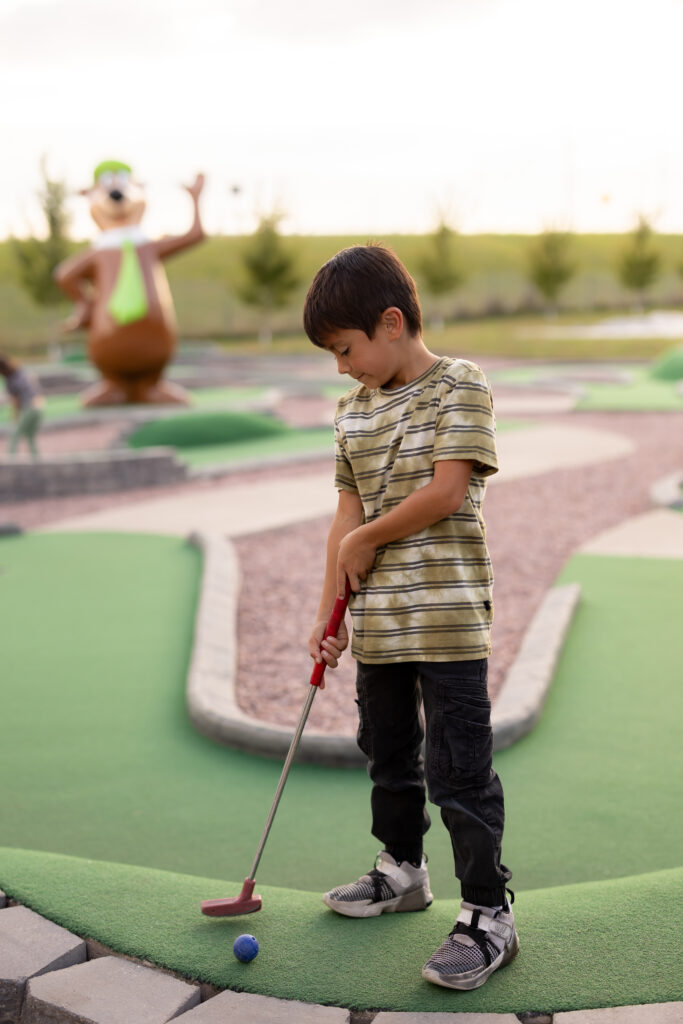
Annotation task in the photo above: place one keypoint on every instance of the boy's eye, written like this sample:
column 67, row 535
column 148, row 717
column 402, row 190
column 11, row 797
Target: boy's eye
column 344, row 353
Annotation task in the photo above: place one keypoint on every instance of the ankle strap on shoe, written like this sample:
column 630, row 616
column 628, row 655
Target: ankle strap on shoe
column 483, row 922
column 395, row 871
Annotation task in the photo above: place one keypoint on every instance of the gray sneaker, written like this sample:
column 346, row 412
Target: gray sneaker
column 481, row 942
column 387, row 889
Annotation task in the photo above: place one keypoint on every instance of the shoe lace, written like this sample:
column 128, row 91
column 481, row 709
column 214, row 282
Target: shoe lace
column 377, row 877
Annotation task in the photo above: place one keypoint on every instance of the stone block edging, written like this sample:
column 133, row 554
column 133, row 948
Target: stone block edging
column 98, row 990
column 668, row 490
column 213, row 708
column 22, row 479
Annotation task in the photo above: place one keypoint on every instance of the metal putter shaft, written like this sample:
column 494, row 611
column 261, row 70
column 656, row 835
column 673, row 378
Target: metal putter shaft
column 246, row 902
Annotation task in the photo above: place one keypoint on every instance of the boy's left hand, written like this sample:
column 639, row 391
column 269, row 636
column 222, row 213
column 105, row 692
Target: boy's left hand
column 355, row 560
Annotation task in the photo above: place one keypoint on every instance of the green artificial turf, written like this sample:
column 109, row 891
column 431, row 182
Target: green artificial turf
column 98, row 761
column 642, row 391
column 59, row 406
column 196, row 430
column 594, row 944
column 309, row 440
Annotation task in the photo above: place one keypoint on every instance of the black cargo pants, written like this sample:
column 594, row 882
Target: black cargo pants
column 459, row 775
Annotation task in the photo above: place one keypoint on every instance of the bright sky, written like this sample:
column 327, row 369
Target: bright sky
column 363, row 117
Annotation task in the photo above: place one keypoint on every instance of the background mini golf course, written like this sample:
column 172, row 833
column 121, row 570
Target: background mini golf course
column 58, row 406
column 229, row 437
column 117, row 818
column 223, row 436
column 642, row 389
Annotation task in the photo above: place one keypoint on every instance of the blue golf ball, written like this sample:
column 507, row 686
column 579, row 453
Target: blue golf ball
column 245, row 948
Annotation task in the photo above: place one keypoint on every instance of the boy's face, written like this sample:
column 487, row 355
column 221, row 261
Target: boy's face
column 370, row 361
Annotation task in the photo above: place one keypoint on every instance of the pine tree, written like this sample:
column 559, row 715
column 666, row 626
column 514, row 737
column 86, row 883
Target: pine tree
column 270, row 272
column 439, row 265
column 550, row 265
column 640, row 262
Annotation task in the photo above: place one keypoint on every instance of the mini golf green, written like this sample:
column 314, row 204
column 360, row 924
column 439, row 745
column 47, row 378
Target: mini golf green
column 230, row 436
column 643, row 393
column 118, row 819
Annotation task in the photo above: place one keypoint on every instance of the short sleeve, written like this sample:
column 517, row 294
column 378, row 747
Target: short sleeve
column 465, row 423
column 344, row 480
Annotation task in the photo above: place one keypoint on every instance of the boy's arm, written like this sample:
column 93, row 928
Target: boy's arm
column 440, row 498
column 348, row 517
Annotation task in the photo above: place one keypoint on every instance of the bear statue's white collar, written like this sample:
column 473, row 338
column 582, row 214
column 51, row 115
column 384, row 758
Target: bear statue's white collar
column 115, row 237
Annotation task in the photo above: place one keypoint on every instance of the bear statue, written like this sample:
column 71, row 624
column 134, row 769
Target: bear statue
column 122, row 294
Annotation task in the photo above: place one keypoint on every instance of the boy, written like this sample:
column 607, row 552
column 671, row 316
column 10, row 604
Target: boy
column 415, row 441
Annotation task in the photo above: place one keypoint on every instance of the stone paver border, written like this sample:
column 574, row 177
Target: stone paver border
column 123, row 989
column 212, row 704
column 94, row 472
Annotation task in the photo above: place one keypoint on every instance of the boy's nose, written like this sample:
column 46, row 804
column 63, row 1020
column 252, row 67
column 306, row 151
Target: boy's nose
column 341, row 365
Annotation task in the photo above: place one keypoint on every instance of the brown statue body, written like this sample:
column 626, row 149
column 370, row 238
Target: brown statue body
column 122, row 296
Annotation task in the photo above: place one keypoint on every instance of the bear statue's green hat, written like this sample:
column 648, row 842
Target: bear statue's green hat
column 112, row 166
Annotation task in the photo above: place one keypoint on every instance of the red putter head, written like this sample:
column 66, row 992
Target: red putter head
column 245, row 903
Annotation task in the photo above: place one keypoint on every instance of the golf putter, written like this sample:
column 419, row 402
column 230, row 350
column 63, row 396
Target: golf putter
column 246, row 902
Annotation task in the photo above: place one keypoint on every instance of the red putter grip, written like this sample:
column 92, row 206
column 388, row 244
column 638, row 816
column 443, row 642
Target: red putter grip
column 331, row 629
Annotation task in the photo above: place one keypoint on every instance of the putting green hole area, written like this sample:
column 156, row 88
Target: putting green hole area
column 118, row 818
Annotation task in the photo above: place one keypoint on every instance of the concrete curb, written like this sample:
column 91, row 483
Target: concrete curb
column 668, row 490
column 523, row 695
column 213, row 708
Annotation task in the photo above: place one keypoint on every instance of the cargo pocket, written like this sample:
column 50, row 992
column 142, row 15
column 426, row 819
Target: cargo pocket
column 462, row 740
column 363, row 735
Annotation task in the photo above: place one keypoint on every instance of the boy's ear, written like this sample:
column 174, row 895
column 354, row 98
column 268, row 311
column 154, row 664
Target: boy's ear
column 391, row 321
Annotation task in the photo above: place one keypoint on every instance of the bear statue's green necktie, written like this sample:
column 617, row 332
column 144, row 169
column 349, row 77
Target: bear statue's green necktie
column 128, row 300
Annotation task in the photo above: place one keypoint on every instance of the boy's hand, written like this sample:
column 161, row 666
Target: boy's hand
column 330, row 649
column 355, row 560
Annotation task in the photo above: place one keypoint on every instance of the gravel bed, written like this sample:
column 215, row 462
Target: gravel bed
column 96, row 437
column 534, row 526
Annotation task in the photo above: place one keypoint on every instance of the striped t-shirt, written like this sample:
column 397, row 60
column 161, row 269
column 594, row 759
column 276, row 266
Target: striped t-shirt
column 428, row 597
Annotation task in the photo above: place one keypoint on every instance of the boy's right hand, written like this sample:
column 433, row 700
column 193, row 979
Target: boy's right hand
column 330, row 649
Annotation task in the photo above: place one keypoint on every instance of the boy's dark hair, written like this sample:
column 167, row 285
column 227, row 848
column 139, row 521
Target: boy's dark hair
column 352, row 290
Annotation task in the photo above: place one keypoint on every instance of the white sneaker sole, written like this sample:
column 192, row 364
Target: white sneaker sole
column 468, row 980
column 417, row 899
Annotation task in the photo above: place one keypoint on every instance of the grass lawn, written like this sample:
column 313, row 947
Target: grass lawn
column 118, row 818
column 507, row 337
